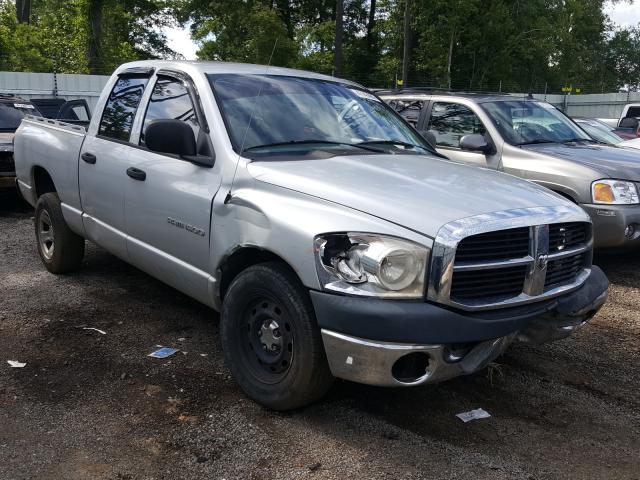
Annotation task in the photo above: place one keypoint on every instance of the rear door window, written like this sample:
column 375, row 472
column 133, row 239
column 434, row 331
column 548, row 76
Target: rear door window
column 450, row 122
column 121, row 108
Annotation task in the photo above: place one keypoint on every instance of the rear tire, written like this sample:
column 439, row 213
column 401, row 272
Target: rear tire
column 59, row 248
column 271, row 341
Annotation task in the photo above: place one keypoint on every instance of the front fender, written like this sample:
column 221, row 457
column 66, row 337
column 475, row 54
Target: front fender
column 285, row 223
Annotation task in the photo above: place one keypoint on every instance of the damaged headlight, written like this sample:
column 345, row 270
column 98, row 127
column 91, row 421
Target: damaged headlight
column 371, row 265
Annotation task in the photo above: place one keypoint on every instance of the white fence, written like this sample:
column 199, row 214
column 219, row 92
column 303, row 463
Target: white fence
column 599, row 105
column 89, row 87
column 49, row 85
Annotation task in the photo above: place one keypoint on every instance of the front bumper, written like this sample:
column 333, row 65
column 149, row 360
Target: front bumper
column 610, row 222
column 395, row 343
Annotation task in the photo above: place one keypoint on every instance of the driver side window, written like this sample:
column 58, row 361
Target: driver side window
column 450, row 122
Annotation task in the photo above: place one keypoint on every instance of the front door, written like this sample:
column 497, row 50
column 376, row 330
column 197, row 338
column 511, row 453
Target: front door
column 448, row 122
column 103, row 164
column 168, row 204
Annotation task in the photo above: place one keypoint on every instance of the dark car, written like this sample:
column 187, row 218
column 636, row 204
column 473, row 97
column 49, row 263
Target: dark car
column 12, row 111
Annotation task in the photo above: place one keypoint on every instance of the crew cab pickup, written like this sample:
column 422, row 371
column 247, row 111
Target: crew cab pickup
column 332, row 238
column 533, row 140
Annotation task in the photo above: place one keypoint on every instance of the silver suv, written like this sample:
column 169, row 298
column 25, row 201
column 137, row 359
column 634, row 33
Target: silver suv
column 533, row 140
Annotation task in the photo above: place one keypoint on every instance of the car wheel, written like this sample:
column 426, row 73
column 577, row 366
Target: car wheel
column 60, row 249
column 270, row 338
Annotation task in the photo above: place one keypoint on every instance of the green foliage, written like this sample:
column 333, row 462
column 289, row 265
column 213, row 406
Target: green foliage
column 58, row 34
column 512, row 45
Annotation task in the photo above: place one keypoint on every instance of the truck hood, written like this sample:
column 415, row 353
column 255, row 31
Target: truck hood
column 613, row 162
column 415, row 191
column 6, row 141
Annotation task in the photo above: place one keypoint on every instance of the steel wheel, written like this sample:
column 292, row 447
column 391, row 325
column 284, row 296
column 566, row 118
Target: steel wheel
column 268, row 346
column 45, row 235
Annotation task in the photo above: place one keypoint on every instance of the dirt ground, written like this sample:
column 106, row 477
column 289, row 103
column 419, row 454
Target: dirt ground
column 95, row 406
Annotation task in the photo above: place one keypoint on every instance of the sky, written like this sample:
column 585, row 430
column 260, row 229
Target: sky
column 624, row 13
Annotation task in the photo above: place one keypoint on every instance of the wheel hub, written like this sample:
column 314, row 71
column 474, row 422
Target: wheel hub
column 270, row 336
column 45, row 234
column 268, row 340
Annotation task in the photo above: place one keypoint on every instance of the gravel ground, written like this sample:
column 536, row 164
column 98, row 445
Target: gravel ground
column 95, row 406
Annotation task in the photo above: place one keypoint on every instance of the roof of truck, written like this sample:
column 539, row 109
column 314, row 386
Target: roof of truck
column 429, row 92
column 228, row 67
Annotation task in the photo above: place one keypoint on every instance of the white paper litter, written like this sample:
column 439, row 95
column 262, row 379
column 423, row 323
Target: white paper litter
column 16, row 364
column 473, row 415
column 97, row 330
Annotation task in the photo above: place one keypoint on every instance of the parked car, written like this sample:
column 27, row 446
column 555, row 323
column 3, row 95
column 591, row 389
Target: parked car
column 598, row 130
column 633, row 143
column 332, row 238
column 536, row 141
column 71, row 111
column 629, row 122
column 12, row 111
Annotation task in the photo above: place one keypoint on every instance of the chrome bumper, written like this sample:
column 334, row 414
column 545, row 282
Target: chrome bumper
column 375, row 363
column 372, row 362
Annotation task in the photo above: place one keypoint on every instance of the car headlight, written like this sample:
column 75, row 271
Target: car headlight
column 371, row 265
column 614, row 192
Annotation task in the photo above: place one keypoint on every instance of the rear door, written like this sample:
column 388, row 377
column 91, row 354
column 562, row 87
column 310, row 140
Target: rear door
column 168, row 205
column 103, row 164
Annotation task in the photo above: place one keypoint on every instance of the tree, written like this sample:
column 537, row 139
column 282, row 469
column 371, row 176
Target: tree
column 23, row 11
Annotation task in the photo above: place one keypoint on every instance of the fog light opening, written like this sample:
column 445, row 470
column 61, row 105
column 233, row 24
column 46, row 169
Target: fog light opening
column 628, row 232
column 411, row 367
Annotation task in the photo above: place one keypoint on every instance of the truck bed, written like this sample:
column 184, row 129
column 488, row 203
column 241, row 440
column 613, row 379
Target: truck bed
column 54, row 146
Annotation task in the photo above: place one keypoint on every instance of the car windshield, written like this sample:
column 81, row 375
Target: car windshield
column 270, row 114
column 523, row 122
column 12, row 113
column 599, row 133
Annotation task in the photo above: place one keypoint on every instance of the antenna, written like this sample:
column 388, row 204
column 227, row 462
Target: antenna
column 227, row 199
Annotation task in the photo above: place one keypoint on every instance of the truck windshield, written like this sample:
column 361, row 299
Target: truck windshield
column 525, row 122
column 270, row 114
column 12, row 113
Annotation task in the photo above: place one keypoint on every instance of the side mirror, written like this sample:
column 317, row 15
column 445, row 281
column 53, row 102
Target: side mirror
column 170, row 136
column 475, row 143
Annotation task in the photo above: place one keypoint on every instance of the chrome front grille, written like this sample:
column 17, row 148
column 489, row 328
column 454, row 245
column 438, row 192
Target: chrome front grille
column 510, row 257
column 500, row 265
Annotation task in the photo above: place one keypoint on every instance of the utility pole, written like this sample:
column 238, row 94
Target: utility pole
column 337, row 52
column 407, row 43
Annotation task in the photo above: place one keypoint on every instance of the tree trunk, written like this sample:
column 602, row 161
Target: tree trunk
column 407, row 44
column 23, row 11
column 453, row 36
column 95, row 37
column 372, row 23
column 337, row 52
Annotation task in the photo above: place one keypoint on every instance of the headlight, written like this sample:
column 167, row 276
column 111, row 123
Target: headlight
column 614, row 192
column 371, row 265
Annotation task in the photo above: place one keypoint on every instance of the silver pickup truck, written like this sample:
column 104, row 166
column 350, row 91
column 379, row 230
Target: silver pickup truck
column 334, row 241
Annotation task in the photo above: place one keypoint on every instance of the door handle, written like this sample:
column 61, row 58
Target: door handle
column 89, row 157
column 137, row 174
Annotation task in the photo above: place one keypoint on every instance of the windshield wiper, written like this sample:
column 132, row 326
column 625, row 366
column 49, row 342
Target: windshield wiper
column 571, row 140
column 391, row 142
column 540, row 140
column 311, row 142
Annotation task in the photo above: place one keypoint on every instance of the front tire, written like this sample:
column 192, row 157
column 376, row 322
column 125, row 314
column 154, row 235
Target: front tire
column 270, row 338
column 59, row 248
